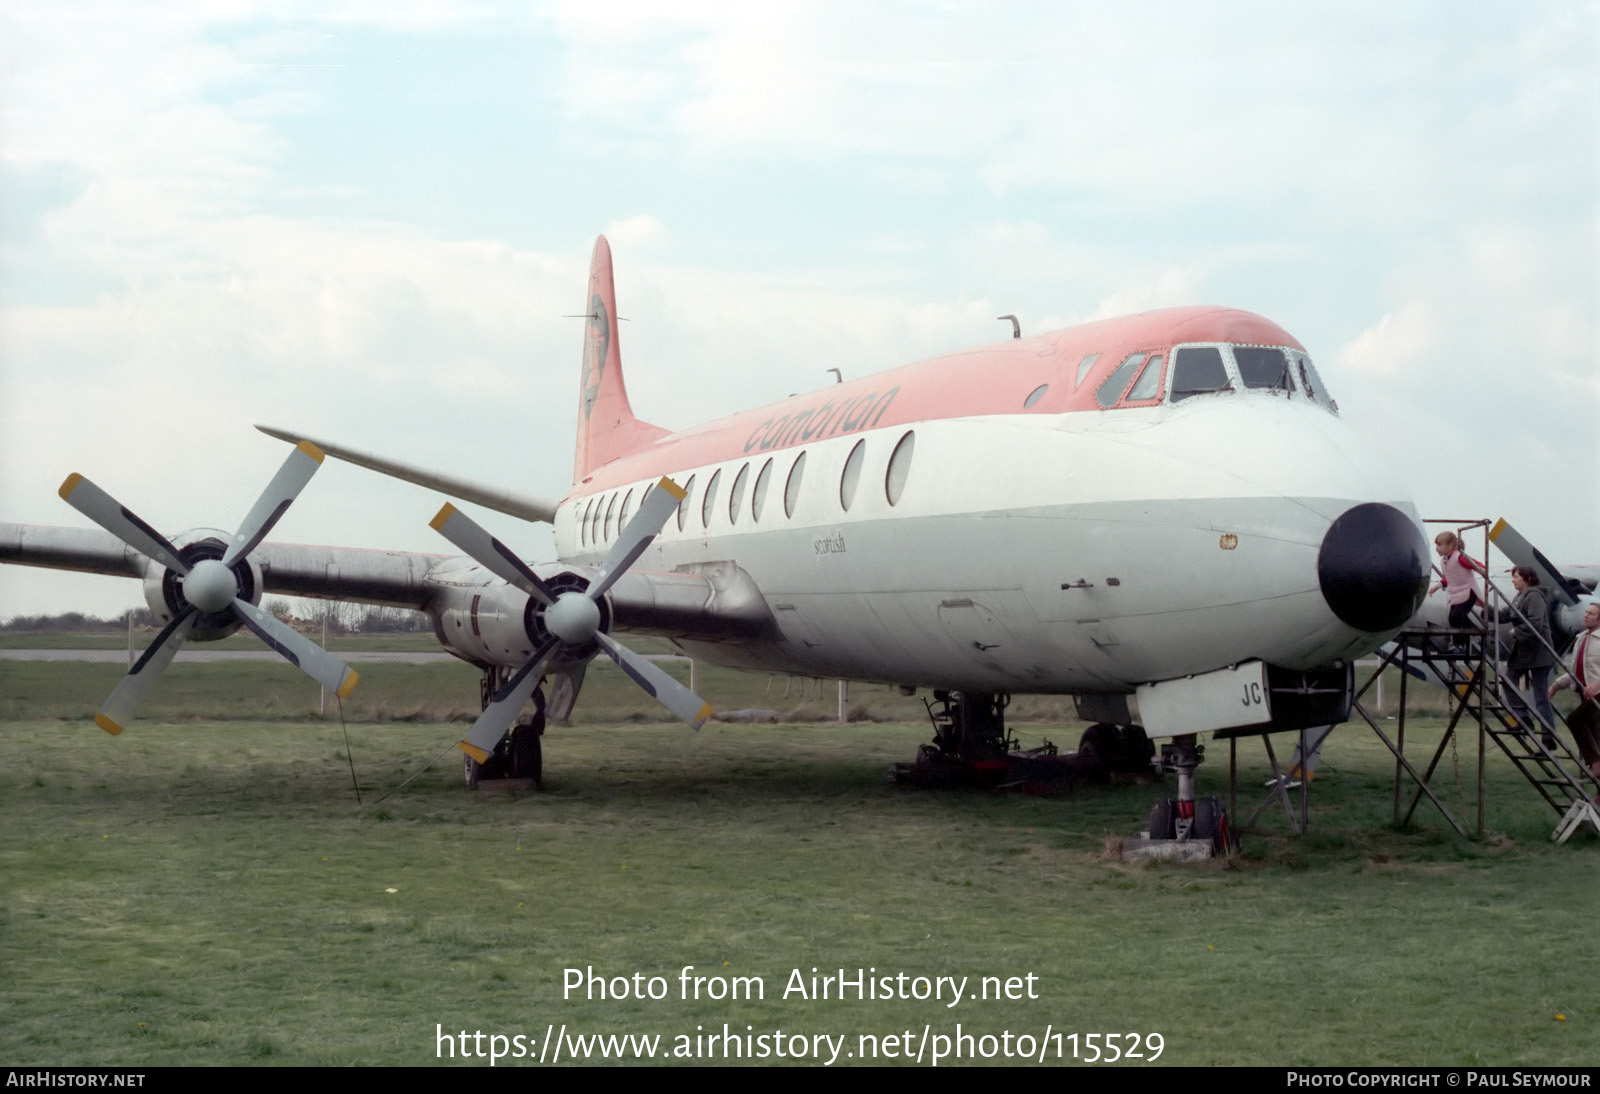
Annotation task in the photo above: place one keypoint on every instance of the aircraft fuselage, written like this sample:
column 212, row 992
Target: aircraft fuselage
column 952, row 525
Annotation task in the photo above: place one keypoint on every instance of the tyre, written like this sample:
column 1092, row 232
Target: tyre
column 526, row 751
column 1101, row 742
column 1163, row 820
column 1211, row 823
column 1137, row 750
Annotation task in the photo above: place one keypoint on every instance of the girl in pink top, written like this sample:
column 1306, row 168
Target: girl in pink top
column 1459, row 578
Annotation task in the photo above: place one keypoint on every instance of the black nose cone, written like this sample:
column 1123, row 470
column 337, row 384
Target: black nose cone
column 1373, row 567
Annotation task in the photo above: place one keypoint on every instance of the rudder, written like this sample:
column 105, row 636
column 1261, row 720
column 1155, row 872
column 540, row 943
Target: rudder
column 607, row 428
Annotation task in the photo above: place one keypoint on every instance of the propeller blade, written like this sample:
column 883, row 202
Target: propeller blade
column 108, row 513
column 297, row 649
column 117, row 713
column 1515, row 546
column 499, row 715
column 689, row 707
column 490, row 553
column 275, row 500
column 660, row 504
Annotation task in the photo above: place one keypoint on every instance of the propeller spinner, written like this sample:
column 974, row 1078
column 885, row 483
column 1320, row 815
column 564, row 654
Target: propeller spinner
column 209, row 586
column 571, row 616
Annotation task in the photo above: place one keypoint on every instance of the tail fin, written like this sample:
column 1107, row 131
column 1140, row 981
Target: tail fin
column 607, row 428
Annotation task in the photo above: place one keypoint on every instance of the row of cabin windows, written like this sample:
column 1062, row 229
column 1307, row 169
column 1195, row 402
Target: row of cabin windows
column 605, row 517
column 1202, row 370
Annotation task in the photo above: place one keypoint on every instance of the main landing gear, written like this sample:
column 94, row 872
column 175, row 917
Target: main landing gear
column 519, row 757
column 972, row 747
column 1186, row 826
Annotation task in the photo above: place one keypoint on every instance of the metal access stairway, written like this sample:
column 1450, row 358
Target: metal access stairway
column 1453, row 660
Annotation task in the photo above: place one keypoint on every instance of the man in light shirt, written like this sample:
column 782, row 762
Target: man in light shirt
column 1585, row 678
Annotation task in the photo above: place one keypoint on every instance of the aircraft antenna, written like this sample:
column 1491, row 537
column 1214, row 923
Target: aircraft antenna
column 1016, row 327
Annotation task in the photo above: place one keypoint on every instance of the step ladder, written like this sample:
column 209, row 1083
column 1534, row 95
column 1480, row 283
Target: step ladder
column 1478, row 691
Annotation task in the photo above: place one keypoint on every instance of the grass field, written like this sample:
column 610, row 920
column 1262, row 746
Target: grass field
column 209, row 891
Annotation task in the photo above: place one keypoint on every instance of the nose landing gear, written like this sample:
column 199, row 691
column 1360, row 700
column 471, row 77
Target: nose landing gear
column 1185, row 827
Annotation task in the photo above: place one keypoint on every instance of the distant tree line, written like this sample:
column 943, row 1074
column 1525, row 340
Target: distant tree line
column 344, row 618
column 77, row 621
column 305, row 615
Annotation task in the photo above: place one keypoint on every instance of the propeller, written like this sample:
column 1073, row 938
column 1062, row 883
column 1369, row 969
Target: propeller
column 208, row 586
column 569, row 610
column 1566, row 609
column 1515, row 546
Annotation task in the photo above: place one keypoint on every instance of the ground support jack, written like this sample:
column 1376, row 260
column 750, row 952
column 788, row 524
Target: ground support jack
column 1184, row 828
column 972, row 747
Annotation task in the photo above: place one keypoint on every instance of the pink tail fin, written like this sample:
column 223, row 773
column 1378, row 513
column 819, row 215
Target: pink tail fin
column 607, row 428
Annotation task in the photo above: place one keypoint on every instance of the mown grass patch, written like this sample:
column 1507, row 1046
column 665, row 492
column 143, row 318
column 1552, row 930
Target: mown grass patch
column 211, row 892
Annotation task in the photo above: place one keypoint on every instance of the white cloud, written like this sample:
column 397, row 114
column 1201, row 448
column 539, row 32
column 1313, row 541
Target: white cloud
column 1398, row 341
column 1412, row 184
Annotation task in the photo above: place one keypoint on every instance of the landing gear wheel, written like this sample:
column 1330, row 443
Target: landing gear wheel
column 1101, row 742
column 526, row 751
column 1211, row 823
column 1163, row 820
column 471, row 769
column 1137, row 749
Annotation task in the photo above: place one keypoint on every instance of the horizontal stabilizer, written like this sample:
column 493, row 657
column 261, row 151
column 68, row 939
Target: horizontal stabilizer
column 501, row 501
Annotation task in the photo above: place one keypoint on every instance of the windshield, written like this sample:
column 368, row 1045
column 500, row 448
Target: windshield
column 1225, row 369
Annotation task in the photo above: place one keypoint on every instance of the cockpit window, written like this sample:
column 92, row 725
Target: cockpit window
column 1112, row 387
column 1198, row 370
column 1148, row 385
column 1207, row 370
column 1313, row 382
column 1263, row 368
column 1083, row 369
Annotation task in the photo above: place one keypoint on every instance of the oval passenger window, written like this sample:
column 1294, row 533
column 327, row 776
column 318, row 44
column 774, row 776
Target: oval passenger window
column 852, row 475
column 710, row 500
column 894, row 483
column 736, row 495
column 758, row 498
column 791, row 490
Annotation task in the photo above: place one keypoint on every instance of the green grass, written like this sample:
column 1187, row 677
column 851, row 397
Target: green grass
column 438, row 691
column 210, row 892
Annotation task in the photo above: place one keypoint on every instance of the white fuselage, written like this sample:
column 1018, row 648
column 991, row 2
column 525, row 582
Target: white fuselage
column 1031, row 553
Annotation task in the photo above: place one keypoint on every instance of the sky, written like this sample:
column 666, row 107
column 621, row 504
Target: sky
column 372, row 222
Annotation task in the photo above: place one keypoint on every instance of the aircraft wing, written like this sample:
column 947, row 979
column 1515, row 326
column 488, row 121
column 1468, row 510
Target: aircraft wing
column 711, row 602
column 86, row 551
column 388, row 578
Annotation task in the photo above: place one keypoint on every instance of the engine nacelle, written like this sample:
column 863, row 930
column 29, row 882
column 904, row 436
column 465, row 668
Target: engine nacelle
column 163, row 588
column 487, row 622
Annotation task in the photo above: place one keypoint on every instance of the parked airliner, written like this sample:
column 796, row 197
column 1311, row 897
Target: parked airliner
column 1166, row 505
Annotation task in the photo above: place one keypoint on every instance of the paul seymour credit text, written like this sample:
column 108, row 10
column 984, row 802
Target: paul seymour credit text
column 929, row 1043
